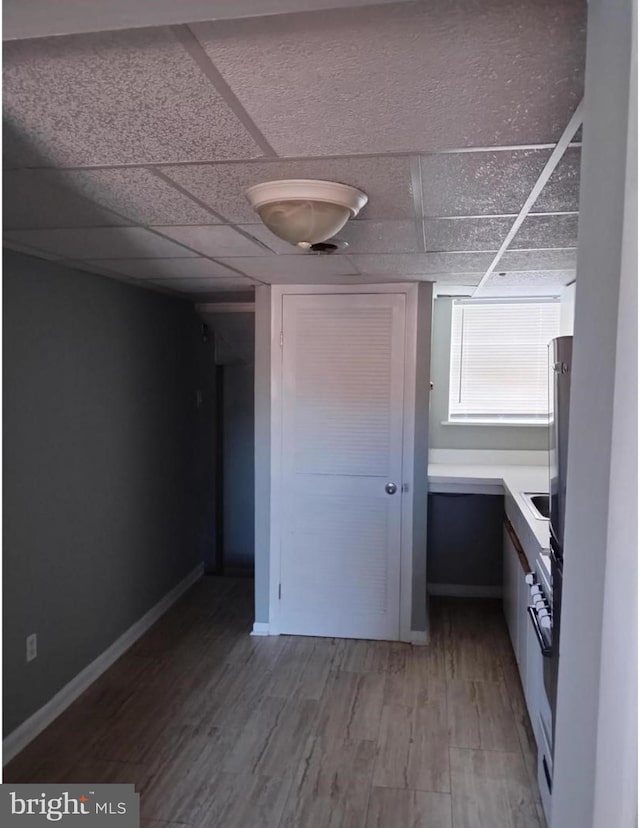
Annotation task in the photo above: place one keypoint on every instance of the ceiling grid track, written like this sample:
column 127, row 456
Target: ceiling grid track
column 261, row 159
column 221, row 219
column 554, row 159
column 148, row 139
column 185, row 36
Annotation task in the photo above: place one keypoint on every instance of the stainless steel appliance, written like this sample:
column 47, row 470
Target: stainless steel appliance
column 560, row 351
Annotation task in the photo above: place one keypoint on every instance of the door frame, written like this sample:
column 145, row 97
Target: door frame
column 410, row 291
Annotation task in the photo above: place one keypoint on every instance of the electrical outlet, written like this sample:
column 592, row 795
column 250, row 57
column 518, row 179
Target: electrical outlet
column 32, row 646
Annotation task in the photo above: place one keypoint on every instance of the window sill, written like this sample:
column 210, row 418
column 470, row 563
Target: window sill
column 492, row 424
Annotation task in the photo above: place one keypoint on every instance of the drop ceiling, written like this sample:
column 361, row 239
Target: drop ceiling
column 128, row 151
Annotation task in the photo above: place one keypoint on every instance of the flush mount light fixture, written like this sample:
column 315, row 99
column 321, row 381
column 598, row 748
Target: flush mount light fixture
column 305, row 212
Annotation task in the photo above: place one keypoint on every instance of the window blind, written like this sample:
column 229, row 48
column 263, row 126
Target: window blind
column 499, row 360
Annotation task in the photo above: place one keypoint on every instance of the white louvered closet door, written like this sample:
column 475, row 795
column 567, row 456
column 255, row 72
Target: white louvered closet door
column 343, row 390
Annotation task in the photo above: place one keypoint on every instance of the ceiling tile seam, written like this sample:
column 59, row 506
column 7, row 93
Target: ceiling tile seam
column 184, row 192
column 349, row 258
column 189, row 41
column 575, row 122
column 151, row 229
column 415, row 167
column 239, row 227
column 27, row 250
column 76, row 264
column 222, row 219
column 547, row 213
column 264, row 159
column 216, row 260
column 155, row 232
column 154, row 282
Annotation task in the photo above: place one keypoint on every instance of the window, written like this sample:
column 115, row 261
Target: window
column 499, row 362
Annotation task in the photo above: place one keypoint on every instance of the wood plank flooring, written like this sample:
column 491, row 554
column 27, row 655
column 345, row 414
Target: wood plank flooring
column 218, row 728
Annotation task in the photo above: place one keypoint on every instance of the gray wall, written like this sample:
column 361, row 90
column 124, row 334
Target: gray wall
column 100, row 509
column 238, row 468
column 462, row 436
column 602, row 366
column 205, row 462
column 465, row 539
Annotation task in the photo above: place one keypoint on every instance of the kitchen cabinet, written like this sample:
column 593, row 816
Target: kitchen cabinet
column 516, row 599
column 515, row 594
column 511, row 575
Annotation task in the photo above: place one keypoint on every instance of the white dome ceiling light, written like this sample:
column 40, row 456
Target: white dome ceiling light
column 305, row 212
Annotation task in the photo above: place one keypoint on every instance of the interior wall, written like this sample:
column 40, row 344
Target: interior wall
column 464, row 436
column 205, row 463
column 567, row 310
column 616, row 791
column 595, row 553
column 239, row 535
column 100, row 495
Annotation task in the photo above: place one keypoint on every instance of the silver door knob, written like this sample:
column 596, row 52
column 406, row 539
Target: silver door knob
column 391, row 488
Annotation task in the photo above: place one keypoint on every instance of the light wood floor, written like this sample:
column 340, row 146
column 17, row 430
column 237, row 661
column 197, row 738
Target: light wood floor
column 217, row 728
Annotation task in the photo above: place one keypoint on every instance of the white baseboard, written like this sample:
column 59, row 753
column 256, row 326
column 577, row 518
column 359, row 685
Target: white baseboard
column 464, row 591
column 419, row 638
column 42, row 718
column 261, row 628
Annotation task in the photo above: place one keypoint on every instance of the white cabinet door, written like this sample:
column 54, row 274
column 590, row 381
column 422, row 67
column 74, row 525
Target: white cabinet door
column 510, row 592
column 342, row 434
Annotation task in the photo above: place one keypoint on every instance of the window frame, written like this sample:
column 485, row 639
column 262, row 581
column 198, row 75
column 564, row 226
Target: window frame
column 492, row 420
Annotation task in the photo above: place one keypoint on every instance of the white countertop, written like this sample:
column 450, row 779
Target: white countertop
column 508, row 478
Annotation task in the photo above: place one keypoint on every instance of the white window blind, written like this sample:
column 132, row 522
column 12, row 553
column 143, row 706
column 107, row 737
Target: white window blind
column 499, row 361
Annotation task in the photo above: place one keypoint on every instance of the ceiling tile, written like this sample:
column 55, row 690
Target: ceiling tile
column 18, row 247
column 166, row 268
column 562, row 190
column 387, row 182
column 32, row 199
column 531, row 278
column 274, row 268
column 336, row 279
column 537, row 260
column 100, row 243
column 87, row 266
column 422, row 76
column 137, row 193
column 451, row 234
column 266, row 237
column 422, row 264
column 495, row 183
column 217, row 241
column 470, row 279
column 117, row 97
column 488, row 233
column 196, row 286
column 381, row 237
column 362, row 236
column 528, row 283
column 547, row 231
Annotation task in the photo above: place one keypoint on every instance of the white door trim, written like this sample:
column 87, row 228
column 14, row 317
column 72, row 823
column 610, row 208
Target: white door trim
column 406, row 562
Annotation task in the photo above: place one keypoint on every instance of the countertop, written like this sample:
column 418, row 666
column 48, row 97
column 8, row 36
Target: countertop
column 508, row 477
